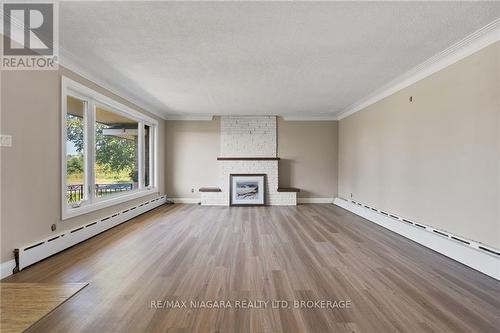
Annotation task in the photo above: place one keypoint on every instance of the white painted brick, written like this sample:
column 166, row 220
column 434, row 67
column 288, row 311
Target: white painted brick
column 270, row 168
column 248, row 137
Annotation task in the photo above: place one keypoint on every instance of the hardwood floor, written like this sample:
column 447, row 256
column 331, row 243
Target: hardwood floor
column 308, row 252
column 22, row 304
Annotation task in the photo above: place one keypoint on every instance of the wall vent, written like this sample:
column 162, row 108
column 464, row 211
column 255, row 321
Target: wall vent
column 460, row 240
column 489, row 250
column 33, row 246
column 33, row 253
column 75, row 230
column 440, row 233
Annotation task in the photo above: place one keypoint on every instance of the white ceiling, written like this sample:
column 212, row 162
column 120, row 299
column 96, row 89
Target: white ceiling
column 276, row 58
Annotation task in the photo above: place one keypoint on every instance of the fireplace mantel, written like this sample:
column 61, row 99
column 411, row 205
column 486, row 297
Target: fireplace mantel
column 248, row 145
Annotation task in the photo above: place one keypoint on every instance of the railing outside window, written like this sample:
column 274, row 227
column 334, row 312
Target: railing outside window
column 74, row 192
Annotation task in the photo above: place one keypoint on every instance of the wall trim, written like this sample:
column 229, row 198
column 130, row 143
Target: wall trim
column 314, row 200
column 470, row 253
column 6, row 268
column 69, row 61
column 39, row 250
column 299, row 200
column 474, row 42
column 331, row 117
column 185, row 200
column 189, row 117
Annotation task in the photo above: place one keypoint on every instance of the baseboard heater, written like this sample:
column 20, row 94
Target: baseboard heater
column 468, row 252
column 28, row 255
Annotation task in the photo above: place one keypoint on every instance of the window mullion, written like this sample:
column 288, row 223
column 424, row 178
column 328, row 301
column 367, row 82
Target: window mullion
column 140, row 154
column 152, row 154
column 155, row 156
column 90, row 160
column 149, row 156
column 86, row 138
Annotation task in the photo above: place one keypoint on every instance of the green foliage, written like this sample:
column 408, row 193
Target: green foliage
column 74, row 164
column 74, row 131
column 113, row 154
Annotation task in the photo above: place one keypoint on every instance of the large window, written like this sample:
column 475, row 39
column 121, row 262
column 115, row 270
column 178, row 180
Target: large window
column 109, row 151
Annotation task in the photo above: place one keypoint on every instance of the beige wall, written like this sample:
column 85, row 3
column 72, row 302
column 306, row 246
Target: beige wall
column 437, row 159
column 30, row 170
column 192, row 148
column 308, row 152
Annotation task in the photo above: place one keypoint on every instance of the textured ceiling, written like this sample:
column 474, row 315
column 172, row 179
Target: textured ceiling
column 279, row 58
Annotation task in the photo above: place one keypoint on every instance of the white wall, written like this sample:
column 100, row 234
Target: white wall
column 309, row 157
column 435, row 160
column 191, row 154
column 31, row 168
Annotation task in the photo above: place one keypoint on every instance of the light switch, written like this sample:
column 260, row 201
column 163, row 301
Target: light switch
column 5, row 140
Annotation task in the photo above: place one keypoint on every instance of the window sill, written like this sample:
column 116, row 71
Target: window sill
column 68, row 212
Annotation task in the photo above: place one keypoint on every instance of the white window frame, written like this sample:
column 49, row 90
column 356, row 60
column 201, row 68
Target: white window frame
column 93, row 98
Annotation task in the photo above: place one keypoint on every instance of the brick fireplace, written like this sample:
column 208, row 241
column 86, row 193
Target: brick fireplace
column 248, row 145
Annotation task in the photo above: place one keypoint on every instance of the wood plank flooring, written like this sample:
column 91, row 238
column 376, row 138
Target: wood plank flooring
column 23, row 304
column 308, row 252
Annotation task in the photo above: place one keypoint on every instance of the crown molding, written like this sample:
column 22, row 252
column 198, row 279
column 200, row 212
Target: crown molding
column 474, row 42
column 68, row 60
column 309, row 117
column 189, row 117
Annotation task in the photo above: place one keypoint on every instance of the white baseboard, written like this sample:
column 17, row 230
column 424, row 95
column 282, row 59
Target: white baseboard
column 32, row 253
column 440, row 241
column 185, row 200
column 299, row 201
column 314, row 200
column 6, row 268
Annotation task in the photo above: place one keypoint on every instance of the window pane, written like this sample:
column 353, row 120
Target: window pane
column 116, row 153
column 147, row 155
column 75, row 143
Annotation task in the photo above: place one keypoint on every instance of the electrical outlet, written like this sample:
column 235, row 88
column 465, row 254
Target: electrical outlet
column 192, row 190
column 5, row 140
column 351, row 195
